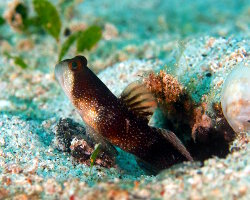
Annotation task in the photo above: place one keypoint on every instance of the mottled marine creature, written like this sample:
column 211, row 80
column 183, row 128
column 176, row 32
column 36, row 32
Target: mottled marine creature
column 122, row 121
column 235, row 99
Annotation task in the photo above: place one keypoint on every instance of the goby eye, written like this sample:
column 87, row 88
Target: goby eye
column 74, row 65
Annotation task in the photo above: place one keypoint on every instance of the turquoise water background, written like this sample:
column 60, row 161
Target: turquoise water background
column 147, row 18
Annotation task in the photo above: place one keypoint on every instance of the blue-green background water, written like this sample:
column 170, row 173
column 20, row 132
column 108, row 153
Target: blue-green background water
column 141, row 22
column 146, row 18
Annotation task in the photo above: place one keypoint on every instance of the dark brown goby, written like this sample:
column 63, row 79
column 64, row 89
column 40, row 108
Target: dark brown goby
column 119, row 121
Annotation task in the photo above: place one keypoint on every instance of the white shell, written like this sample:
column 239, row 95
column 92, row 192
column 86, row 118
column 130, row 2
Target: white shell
column 235, row 99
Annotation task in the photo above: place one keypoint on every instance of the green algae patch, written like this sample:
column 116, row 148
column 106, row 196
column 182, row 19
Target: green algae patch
column 2, row 21
column 18, row 60
column 88, row 38
column 94, row 156
column 48, row 17
column 85, row 40
column 67, row 44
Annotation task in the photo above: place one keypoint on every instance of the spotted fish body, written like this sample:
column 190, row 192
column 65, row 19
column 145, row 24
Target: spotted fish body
column 119, row 121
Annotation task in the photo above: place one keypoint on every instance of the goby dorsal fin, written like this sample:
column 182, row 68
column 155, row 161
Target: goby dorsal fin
column 139, row 99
